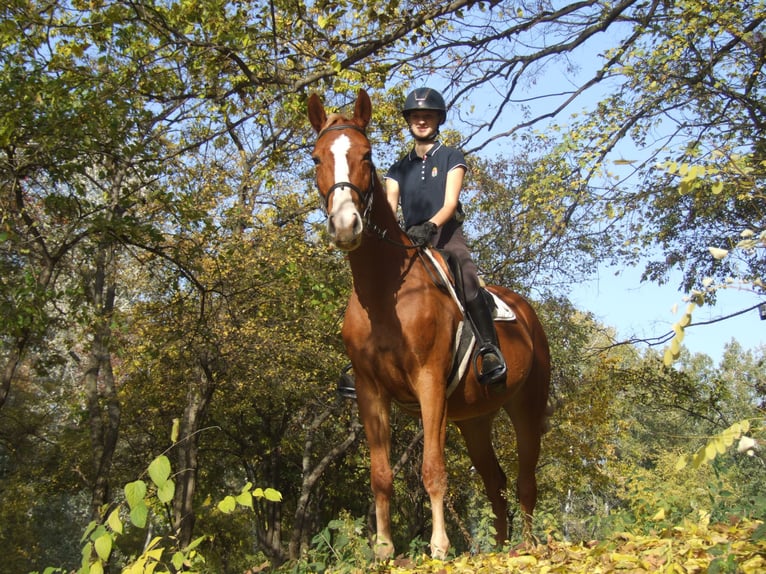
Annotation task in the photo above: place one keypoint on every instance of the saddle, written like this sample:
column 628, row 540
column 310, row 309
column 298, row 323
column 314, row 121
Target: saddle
column 451, row 280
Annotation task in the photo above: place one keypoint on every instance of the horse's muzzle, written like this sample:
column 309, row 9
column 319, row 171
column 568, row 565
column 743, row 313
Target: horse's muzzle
column 345, row 227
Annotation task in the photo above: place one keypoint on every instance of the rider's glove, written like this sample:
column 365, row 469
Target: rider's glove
column 422, row 234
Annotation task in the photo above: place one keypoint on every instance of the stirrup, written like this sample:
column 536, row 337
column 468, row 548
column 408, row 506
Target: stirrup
column 346, row 388
column 494, row 377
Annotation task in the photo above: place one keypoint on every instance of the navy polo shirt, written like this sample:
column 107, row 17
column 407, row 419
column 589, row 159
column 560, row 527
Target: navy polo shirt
column 423, row 181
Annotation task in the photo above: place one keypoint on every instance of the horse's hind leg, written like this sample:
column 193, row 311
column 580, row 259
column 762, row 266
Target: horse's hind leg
column 528, row 419
column 478, row 439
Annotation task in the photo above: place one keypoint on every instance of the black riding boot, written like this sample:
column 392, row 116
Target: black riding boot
column 493, row 368
column 346, row 383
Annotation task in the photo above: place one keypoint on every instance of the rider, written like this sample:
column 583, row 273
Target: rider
column 427, row 182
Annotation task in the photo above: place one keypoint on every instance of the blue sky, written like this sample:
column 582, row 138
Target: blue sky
column 645, row 310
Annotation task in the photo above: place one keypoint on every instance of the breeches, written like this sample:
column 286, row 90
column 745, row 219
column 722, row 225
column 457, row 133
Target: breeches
column 450, row 238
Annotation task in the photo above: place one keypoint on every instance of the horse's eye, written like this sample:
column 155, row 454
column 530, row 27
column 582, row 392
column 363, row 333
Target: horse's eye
column 367, row 156
column 315, row 159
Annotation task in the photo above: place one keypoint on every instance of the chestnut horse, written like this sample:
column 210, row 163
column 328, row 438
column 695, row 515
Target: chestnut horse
column 399, row 333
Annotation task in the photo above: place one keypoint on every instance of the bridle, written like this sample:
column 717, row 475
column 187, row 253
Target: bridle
column 364, row 196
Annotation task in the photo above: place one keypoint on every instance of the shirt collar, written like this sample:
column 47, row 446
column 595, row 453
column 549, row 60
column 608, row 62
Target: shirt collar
column 437, row 145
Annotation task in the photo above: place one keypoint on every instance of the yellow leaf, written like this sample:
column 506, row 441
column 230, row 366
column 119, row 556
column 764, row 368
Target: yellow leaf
column 522, row 561
column 114, row 521
column 717, row 252
column 660, row 515
column 103, row 546
column 711, row 451
column 227, row 505
column 755, row 564
column 668, row 358
column 175, row 430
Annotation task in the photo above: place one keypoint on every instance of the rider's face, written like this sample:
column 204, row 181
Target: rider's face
column 423, row 123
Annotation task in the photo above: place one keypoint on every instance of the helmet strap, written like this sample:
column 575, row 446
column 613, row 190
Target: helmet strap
column 430, row 138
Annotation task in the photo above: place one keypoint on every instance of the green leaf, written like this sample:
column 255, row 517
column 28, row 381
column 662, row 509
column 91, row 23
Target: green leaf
column 178, row 560
column 166, row 490
column 90, row 528
column 159, row 470
column 135, row 492
column 196, row 542
column 139, row 514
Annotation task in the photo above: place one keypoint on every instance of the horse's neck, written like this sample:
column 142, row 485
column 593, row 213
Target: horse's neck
column 383, row 258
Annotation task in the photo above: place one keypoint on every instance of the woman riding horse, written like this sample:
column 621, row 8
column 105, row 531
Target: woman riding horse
column 399, row 332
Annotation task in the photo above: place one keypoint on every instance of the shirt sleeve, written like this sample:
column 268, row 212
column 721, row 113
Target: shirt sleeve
column 393, row 172
column 456, row 159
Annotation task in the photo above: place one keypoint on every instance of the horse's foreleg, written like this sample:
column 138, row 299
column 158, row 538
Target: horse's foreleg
column 382, row 480
column 477, row 434
column 375, row 417
column 434, row 471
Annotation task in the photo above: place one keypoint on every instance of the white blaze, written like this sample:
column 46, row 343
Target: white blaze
column 339, row 150
column 344, row 218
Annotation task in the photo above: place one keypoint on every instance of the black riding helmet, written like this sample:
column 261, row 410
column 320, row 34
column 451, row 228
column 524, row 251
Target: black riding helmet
column 425, row 99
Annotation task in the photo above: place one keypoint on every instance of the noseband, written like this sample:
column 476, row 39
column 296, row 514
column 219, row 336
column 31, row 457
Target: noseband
column 365, row 196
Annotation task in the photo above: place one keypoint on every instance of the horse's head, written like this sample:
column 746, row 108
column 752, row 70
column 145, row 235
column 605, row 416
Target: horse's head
column 345, row 173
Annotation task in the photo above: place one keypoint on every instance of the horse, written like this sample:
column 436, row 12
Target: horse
column 398, row 332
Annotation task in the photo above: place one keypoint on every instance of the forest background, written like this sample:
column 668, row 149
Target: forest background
column 171, row 309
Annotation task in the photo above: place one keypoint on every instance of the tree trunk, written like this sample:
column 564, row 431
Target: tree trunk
column 104, row 409
column 198, row 399
column 311, row 475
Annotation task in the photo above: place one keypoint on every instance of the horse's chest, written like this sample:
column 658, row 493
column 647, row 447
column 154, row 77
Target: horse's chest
column 397, row 332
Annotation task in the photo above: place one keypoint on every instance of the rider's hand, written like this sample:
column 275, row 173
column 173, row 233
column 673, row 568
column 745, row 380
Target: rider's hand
column 422, row 234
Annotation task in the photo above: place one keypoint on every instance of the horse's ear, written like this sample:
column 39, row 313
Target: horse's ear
column 317, row 115
column 363, row 108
